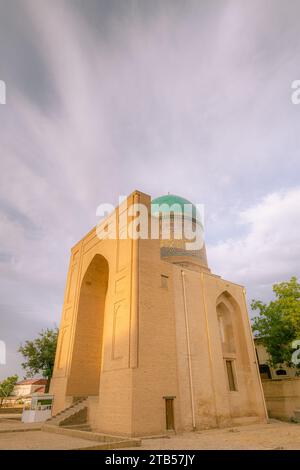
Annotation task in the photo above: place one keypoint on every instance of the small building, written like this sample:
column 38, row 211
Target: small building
column 281, row 386
column 265, row 369
column 37, row 408
column 29, row 386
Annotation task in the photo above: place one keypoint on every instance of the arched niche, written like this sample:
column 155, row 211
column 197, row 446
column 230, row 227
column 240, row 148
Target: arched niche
column 232, row 334
column 224, row 313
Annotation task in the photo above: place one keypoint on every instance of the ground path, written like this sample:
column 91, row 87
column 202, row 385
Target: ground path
column 275, row 435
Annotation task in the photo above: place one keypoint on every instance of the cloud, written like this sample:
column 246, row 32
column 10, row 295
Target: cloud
column 107, row 97
column 269, row 251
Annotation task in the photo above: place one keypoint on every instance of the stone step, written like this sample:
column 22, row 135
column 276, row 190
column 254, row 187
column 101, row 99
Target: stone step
column 80, row 427
column 244, row 420
column 107, row 441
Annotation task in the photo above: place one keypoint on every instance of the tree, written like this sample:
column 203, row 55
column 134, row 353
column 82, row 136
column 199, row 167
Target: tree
column 39, row 354
column 278, row 322
column 7, row 386
column 288, row 301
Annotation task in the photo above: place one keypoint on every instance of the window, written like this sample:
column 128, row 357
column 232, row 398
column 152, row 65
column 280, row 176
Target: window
column 164, row 281
column 264, row 371
column 281, row 372
column 230, row 375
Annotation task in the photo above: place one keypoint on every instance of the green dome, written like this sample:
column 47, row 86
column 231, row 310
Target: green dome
column 166, row 202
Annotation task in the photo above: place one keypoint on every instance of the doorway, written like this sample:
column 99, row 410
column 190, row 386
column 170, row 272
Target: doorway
column 169, row 403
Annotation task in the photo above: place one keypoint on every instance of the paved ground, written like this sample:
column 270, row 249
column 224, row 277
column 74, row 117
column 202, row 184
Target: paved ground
column 15, row 435
column 42, row 441
column 13, row 423
column 276, row 435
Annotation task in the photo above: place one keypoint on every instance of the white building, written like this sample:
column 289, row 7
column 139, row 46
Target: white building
column 29, row 386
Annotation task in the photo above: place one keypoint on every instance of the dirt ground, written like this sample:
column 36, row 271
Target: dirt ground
column 275, row 435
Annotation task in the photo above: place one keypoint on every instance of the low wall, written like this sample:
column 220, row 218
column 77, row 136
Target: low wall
column 11, row 410
column 282, row 397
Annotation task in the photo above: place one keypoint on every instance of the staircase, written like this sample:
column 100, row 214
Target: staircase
column 74, row 416
column 73, row 422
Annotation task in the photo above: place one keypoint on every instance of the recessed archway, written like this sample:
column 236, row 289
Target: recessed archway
column 84, row 379
column 226, row 327
column 228, row 307
column 235, row 354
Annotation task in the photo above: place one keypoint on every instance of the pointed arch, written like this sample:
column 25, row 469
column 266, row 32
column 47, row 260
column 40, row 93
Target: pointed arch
column 227, row 298
column 85, row 369
column 225, row 311
column 233, row 338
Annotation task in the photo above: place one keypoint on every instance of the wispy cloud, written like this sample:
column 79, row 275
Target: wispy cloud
column 105, row 97
column 269, row 251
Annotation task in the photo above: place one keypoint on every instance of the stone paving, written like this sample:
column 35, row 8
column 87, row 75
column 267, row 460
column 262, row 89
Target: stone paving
column 11, row 423
column 275, row 435
column 40, row 440
column 15, row 435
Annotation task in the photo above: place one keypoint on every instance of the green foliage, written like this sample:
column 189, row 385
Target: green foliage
column 39, row 354
column 7, row 386
column 288, row 301
column 278, row 323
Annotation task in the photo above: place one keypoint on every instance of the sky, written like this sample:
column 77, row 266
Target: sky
column 191, row 97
